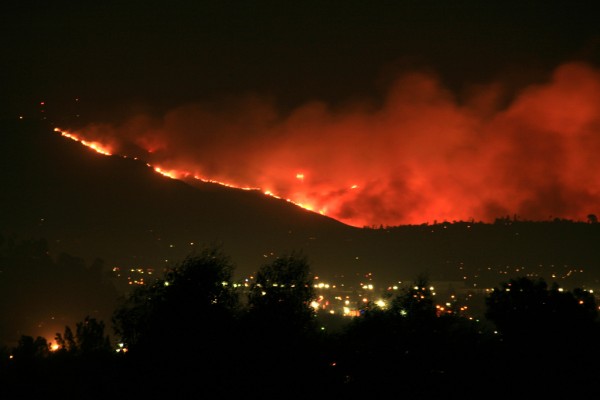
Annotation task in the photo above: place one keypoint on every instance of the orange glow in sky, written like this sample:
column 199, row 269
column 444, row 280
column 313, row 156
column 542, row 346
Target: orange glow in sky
column 421, row 155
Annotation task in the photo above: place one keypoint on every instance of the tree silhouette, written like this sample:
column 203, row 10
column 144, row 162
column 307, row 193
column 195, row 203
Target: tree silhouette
column 189, row 336
column 416, row 301
column 410, row 345
column 29, row 349
column 527, row 308
column 183, row 326
column 66, row 341
column 281, row 327
column 88, row 339
column 546, row 333
column 192, row 300
column 282, row 292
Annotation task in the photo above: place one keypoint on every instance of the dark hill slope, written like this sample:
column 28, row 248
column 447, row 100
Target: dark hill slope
column 120, row 210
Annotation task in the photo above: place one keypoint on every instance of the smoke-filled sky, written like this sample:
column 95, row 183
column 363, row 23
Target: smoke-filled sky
column 370, row 112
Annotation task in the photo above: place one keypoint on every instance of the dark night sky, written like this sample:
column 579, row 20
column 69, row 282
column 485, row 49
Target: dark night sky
column 152, row 54
column 381, row 112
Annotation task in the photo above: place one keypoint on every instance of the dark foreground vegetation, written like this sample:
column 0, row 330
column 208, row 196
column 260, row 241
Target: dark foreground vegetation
column 193, row 334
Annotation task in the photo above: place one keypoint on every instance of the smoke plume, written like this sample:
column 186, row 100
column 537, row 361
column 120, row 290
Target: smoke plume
column 421, row 155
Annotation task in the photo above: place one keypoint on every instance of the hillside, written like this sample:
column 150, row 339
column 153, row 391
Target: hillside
column 122, row 211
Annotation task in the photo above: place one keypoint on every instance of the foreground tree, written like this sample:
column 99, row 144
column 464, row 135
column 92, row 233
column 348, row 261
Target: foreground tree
column 547, row 333
column 282, row 340
column 526, row 309
column 194, row 301
column 416, row 302
column 89, row 338
column 183, row 326
column 281, row 294
column 29, row 349
column 408, row 347
column 84, row 366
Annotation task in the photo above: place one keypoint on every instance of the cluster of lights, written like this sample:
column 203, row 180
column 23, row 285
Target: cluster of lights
column 121, row 348
column 132, row 271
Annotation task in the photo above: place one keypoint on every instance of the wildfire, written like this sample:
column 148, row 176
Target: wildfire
column 96, row 146
column 420, row 155
column 205, row 180
column 173, row 174
column 180, row 174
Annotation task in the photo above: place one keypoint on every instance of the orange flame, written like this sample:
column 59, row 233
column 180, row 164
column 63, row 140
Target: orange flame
column 96, row 146
column 178, row 174
column 421, row 154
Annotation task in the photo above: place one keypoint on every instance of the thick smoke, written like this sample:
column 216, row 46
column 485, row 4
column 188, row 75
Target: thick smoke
column 419, row 156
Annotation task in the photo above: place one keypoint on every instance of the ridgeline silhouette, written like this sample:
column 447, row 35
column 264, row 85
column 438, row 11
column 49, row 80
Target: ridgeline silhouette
column 123, row 212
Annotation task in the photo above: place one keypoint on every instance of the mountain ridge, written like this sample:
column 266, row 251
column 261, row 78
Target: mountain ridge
column 122, row 211
column 57, row 187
